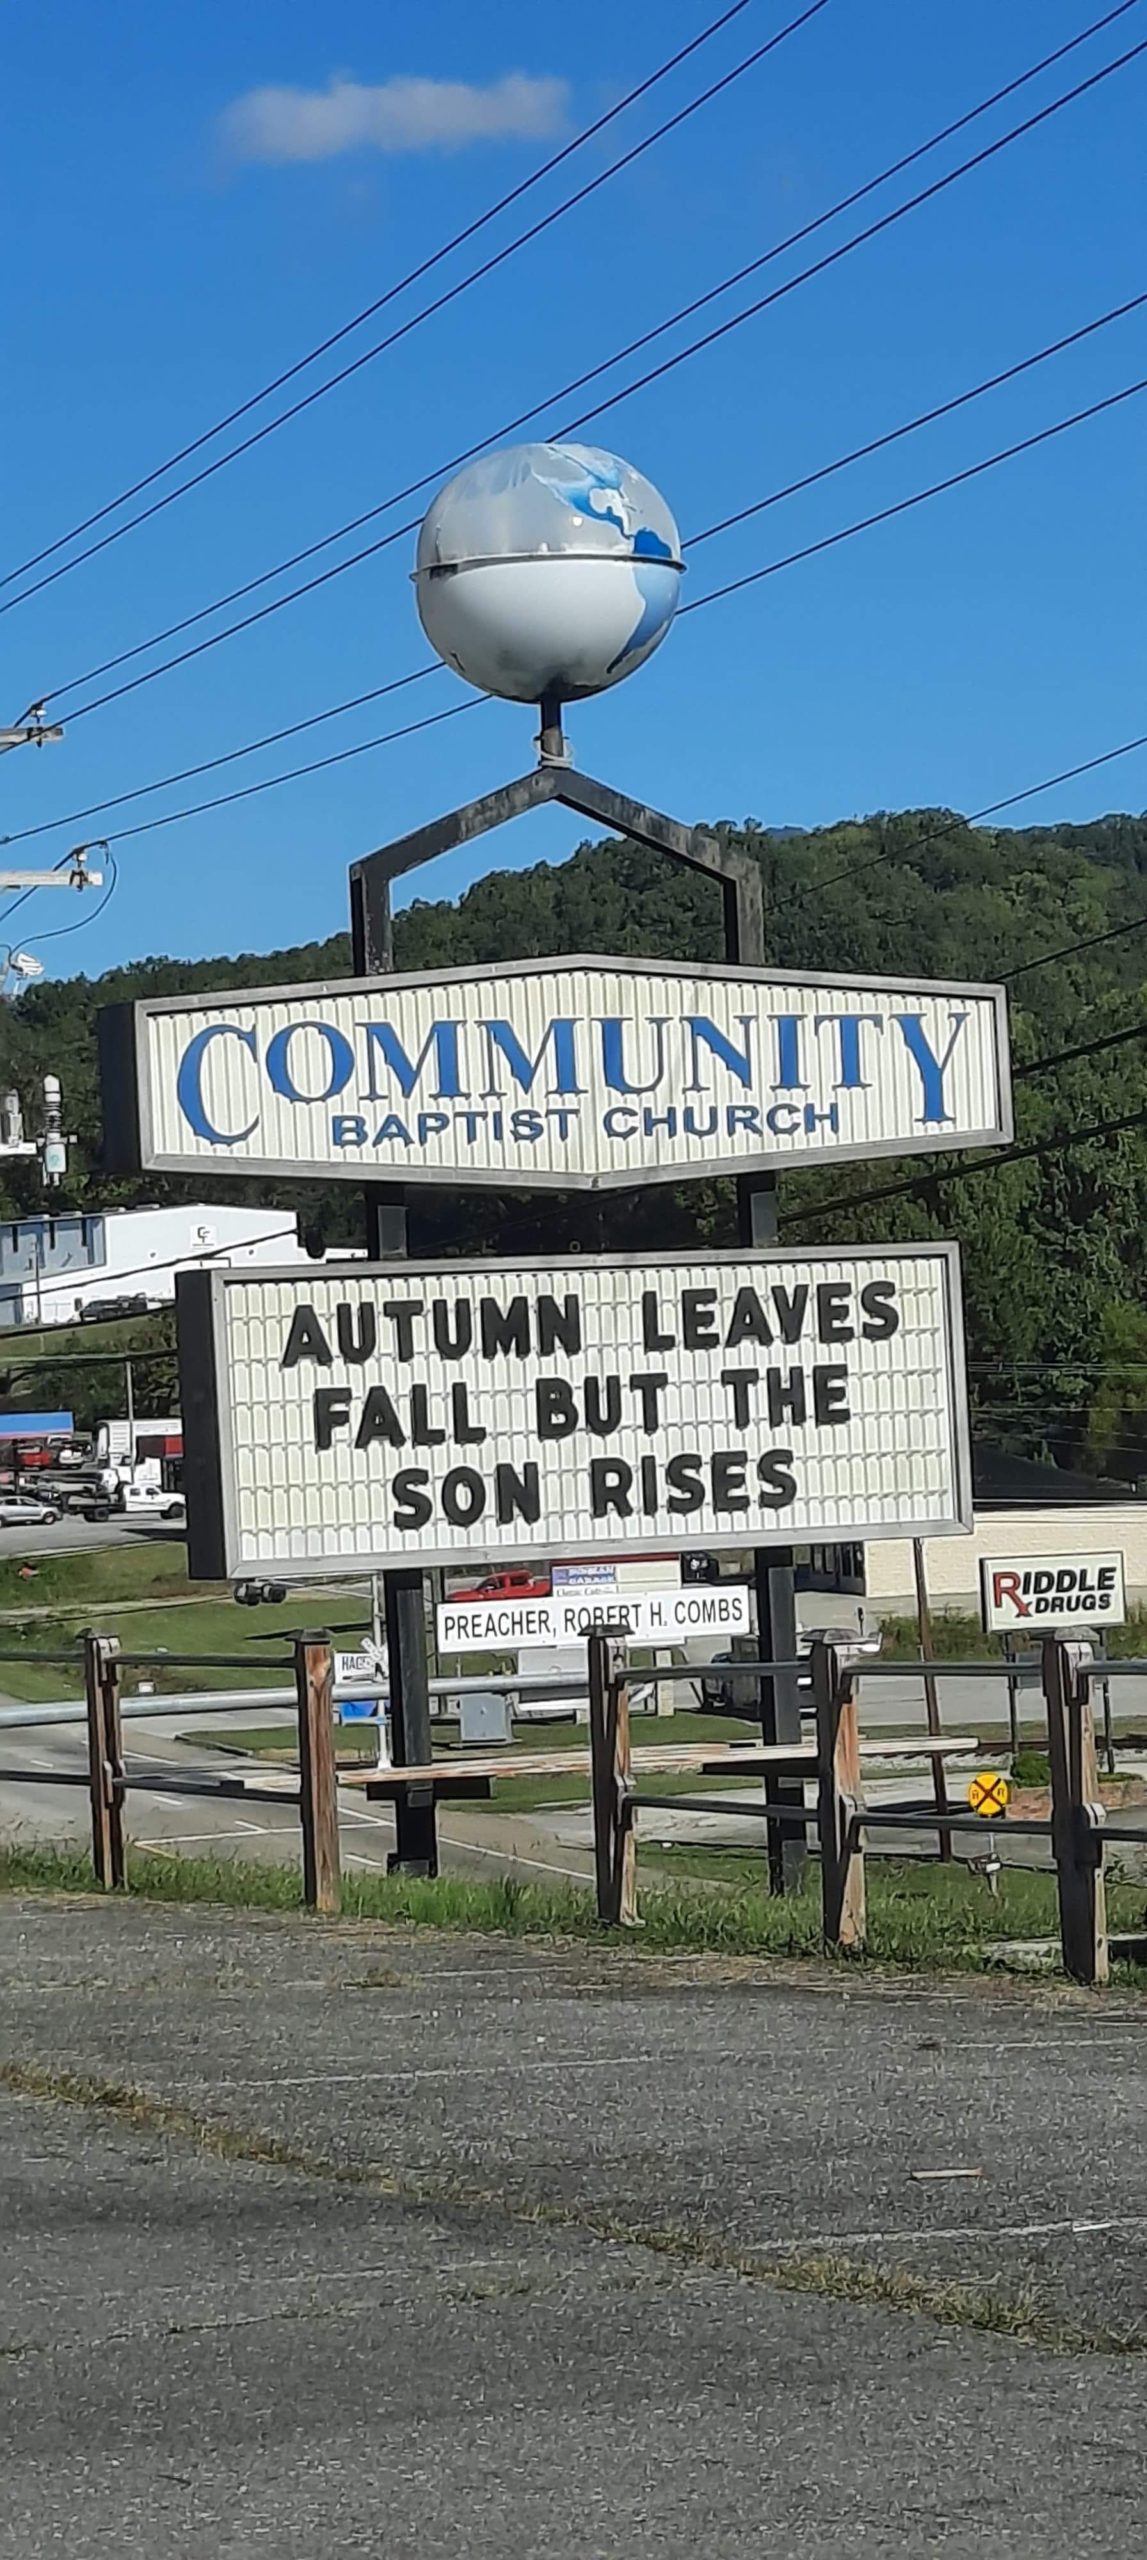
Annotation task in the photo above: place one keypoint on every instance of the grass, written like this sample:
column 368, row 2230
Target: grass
column 920, row 1918
column 923, row 1895
column 515, row 1795
column 109, row 1588
column 957, row 1636
column 353, row 1742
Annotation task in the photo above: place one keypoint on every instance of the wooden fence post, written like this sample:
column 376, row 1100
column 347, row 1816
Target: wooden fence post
column 614, row 1837
column 105, row 1761
column 838, row 1799
column 1077, row 1834
column 318, row 1782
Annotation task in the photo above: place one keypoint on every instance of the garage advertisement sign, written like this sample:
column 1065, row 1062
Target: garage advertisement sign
column 1048, row 1595
column 402, row 1416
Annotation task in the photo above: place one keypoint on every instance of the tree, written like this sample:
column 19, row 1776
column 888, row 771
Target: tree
column 1053, row 1249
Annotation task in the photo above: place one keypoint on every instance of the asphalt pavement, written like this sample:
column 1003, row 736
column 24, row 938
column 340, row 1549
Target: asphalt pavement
column 331, row 2238
column 74, row 1536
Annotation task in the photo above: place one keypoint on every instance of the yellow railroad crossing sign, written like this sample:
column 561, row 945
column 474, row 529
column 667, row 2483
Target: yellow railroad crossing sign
column 988, row 1793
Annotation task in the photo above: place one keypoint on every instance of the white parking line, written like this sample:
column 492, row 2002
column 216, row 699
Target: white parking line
column 195, row 1839
column 978, row 2231
column 448, row 2071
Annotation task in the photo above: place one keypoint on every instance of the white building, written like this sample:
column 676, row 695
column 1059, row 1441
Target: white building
column 952, row 1565
column 51, row 1268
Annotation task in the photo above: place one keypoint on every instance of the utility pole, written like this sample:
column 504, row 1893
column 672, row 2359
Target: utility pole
column 73, row 873
column 52, row 1147
column 31, row 731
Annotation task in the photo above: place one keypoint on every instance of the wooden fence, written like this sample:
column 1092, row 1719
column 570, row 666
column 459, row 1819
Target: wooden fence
column 830, row 1765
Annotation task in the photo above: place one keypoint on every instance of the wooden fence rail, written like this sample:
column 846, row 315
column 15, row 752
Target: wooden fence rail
column 835, row 1760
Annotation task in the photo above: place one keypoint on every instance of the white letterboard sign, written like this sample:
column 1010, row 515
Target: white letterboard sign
column 473, row 1412
column 579, row 1074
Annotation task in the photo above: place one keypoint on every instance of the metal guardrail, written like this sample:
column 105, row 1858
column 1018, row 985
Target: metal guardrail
column 183, row 1702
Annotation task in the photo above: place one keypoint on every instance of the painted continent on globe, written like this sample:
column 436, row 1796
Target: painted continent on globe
column 547, row 570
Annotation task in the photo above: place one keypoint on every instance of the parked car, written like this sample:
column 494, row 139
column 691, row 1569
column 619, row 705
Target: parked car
column 723, row 1690
column 151, row 1501
column 519, row 1584
column 98, row 1310
column 23, row 1511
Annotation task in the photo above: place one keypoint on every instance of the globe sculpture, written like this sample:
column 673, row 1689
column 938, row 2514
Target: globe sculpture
column 547, row 572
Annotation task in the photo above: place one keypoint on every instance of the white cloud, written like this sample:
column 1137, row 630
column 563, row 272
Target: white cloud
column 397, row 115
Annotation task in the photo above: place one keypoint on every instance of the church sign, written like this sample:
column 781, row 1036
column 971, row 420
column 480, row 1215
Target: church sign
column 401, row 1415
column 577, row 1074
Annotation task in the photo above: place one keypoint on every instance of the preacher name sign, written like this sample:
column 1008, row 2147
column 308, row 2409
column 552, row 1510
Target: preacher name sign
column 399, row 1416
column 584, row 1074
column 1037, row 1595
column 646, row 1617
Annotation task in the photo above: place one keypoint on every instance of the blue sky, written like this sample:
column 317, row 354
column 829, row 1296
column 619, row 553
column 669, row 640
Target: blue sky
column 179, row 236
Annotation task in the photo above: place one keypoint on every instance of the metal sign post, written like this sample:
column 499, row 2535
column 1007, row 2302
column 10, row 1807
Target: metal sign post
column 742, row 901
column 403, row 1594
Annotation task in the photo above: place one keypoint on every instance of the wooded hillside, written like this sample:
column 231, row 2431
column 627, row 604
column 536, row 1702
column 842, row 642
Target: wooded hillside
column 1053, row 1245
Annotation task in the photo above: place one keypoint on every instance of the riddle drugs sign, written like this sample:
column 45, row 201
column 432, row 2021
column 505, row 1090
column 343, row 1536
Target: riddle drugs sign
column 1037, row 1596
column 399, row 1416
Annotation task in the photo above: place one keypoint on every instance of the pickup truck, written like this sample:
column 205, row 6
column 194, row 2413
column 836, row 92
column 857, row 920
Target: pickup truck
column 151, row 1502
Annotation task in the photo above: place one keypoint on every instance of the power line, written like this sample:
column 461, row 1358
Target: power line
column 414, row 275
column 429, row 310
column 1034, row 1067
column 965, row 1172
column 903, row 506
column 295, row 773
column 775, row 497
column 1082, row 1049
column 212, row 764
column 954, row 826
column 581, row 381
column 684, row 355
column 844, row 533
column 1070, row 950
column 928, row 417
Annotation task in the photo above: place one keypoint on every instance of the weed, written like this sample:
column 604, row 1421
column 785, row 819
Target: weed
column 921, row 1917
column 833, row 2278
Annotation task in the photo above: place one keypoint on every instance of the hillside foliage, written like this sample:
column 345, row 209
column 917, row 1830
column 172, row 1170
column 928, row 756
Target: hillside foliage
column 1053, row 1243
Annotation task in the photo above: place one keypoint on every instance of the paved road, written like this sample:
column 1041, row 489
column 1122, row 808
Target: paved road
column 74, row 1536
column 472, row 1839
column 520, row 2254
